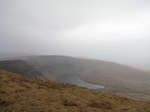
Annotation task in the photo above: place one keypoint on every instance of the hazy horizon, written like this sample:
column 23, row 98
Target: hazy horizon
column 111, row 30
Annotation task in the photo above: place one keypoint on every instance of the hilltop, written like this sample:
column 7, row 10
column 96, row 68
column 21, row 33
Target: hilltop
column 22, row 94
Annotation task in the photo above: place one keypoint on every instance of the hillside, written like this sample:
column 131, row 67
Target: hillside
column 116, row 78
column 22, row 94
column 21, row 67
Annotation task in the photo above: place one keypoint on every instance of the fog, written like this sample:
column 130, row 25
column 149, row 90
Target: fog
column 112, row 30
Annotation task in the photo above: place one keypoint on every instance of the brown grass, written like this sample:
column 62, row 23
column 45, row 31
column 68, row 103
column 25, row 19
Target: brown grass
column 21, row 94
column 117, row 78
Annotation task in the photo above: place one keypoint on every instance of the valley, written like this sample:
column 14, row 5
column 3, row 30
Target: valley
column 116, row 78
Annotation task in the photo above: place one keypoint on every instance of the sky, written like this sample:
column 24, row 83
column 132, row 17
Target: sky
column 112, row 30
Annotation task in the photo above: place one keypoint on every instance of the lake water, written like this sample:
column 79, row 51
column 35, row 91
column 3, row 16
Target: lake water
column 76, row 80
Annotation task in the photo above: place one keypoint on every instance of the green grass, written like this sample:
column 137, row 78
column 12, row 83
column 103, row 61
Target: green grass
column 21, row 94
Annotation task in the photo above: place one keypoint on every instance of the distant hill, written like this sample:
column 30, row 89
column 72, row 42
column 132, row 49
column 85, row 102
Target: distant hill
column 21, row 67
column 116, row 78
column 22, row 94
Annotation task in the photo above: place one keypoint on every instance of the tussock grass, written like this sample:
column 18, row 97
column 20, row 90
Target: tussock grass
column 21, row 94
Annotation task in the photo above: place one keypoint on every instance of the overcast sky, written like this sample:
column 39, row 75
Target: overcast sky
column 114, row 30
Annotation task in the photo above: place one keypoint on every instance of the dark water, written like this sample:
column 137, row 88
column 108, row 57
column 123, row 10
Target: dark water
column 76, row 80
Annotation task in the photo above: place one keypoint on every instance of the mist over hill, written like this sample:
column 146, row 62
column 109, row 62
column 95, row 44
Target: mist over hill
column 11, row 55
column 113, row 30
column 97, row 44
column 116, row 78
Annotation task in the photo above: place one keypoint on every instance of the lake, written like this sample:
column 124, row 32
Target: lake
column 76, row 80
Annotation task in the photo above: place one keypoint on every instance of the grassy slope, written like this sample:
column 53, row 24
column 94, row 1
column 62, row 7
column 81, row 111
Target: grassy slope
column 21, row 94
column 117, row 78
